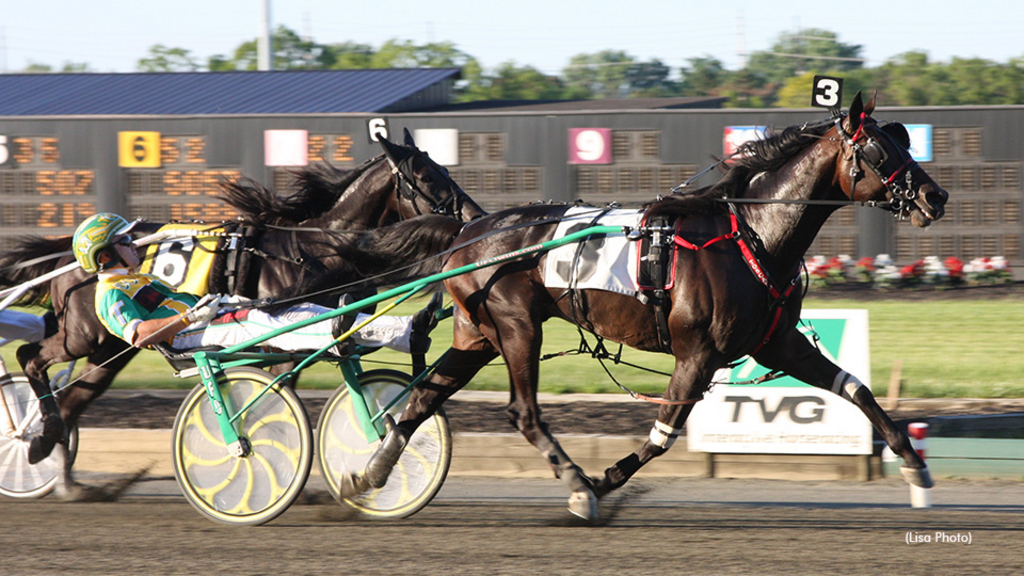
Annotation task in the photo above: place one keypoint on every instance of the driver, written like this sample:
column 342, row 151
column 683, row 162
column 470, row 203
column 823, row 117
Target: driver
column 142, row 310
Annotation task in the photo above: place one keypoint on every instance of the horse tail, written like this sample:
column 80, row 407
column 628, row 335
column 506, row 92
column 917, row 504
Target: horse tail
column 386, row 256
column 31, row 258
column 408, row 250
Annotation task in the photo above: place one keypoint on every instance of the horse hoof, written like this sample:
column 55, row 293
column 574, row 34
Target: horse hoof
column 384, row 459
column 584, row 505
column 920, row 477
column 40, row 447
column 350, row 485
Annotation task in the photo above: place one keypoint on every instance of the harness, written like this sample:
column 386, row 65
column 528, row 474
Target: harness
column 739, row 233
column 896, row 173
column 406, row 187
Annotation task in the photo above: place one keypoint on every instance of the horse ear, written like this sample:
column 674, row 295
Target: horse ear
column 870, row 106
column 856, row 109
column 392, row 150
column 408, row 138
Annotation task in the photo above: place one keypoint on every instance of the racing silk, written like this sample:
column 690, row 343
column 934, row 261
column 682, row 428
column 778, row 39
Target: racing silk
column 125, row 299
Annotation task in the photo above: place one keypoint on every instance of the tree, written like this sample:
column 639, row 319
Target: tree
column 398, row 54
column 703, row 77
column 164, row 59
column 796, row 91
column 513, row 83
column 743, row 89
column 349, row 55
column 68, row 67
column 907, row 80
column 807, row 50
column 602, row 75
column 650, row 79
column 290, row 52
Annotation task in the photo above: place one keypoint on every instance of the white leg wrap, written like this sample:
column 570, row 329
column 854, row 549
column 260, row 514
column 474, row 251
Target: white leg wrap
column 845, row 384
column 664, row 435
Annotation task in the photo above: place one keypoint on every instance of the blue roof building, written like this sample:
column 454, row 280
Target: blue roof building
column 202, row 93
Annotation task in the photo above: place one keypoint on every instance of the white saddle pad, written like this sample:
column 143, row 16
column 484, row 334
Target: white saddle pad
column 607, row 263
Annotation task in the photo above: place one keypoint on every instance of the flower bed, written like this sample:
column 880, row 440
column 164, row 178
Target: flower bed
column 882, row 273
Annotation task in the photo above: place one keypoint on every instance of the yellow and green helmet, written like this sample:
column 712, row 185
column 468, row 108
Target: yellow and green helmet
column 94, row 234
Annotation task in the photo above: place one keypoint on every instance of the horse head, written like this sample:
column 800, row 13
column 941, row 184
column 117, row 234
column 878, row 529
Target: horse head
column 876, row 165
column 424, row 186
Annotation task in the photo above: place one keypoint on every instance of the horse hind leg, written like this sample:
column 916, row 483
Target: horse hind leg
column 681, row 395
column 525, row 415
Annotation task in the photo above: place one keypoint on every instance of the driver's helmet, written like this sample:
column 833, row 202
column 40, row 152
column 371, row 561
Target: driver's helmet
column 94, row 234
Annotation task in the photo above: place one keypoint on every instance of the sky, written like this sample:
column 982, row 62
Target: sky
column 111, row 36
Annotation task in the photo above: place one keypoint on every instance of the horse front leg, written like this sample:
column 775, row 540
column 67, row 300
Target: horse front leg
column 71, row 401
column 454, row 372
column 792, row 353
column 689, row 381
column 35, row 360
column 470, row 352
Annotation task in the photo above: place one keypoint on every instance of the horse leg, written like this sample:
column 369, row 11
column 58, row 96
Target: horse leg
column 35, row 359
column 682, row 393
column 454, row 372
column 469, row 353
column 794, row 354
column 70, row 402
column 519, row 340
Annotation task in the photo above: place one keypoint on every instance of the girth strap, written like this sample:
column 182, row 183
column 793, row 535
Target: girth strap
column 778, row 295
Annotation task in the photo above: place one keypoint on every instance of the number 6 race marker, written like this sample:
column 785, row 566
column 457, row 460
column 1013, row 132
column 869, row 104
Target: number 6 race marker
column 827, row 92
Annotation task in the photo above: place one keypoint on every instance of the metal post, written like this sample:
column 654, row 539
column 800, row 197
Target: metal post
column 265, row 46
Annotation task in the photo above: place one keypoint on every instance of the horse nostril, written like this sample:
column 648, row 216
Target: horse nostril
column 936, row 198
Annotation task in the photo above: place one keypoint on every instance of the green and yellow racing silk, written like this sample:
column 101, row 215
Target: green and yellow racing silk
column 125, row 299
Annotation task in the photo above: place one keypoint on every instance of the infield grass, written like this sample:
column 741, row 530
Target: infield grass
column 948, row 348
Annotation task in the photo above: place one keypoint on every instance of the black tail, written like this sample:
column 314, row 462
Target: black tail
column 409, row 250
column 30, row 259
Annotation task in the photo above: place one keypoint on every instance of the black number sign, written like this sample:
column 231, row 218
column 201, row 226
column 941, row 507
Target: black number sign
column 827, row 92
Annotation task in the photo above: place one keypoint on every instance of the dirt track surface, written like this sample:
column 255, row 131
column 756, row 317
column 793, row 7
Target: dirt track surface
column 834, row 528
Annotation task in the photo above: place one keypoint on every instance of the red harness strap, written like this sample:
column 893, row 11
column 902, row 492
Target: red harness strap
column 779, row 296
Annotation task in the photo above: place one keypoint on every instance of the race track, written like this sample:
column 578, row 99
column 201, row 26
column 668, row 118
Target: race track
column 501, row 526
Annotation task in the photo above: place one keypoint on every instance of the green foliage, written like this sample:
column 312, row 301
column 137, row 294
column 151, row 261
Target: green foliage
column 810, row 49
column 603, row 75
column 164, row 59
column 68, row 67
column 513, row 83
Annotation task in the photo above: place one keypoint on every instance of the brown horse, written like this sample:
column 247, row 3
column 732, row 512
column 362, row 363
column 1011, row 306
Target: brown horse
column 736, row 292
column 301, row 235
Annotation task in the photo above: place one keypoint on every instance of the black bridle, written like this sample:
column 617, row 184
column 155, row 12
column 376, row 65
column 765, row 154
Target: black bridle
column 406, row 187
column 896, row 171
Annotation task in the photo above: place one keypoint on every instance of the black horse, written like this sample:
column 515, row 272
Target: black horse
column 736, row 291
column 305, row 234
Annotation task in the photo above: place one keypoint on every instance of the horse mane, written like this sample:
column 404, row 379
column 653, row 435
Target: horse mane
column 319, row 188
column 754, row 157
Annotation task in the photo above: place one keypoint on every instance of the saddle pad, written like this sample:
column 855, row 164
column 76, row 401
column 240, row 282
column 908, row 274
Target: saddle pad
column 177, row 261
column 607, row 263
